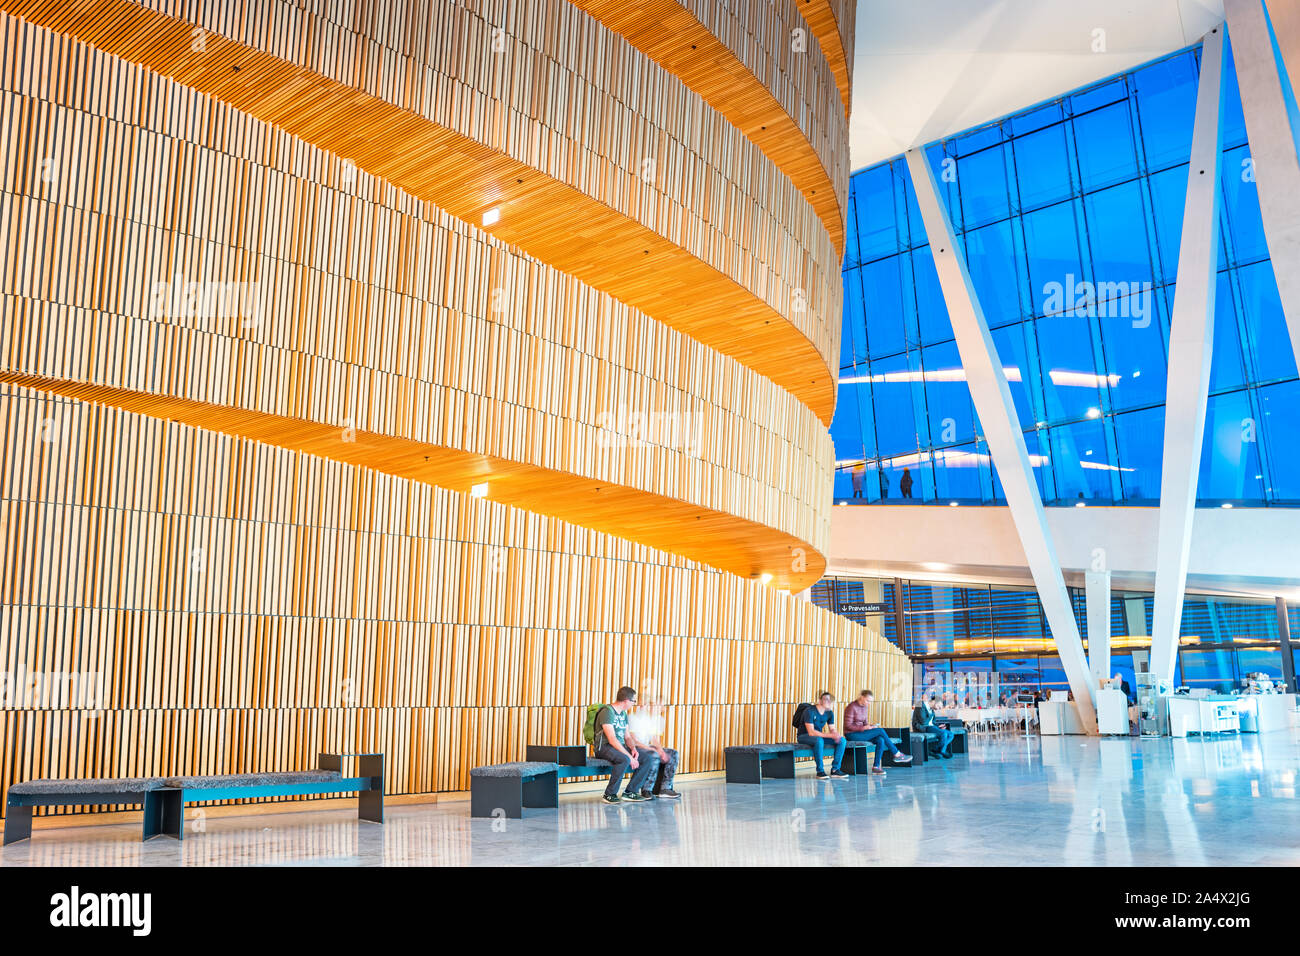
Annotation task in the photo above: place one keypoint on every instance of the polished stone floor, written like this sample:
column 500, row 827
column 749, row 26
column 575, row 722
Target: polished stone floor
column 1011, row 801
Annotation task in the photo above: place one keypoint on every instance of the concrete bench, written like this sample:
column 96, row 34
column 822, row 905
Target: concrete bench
column 164, row 798
column 750, row 763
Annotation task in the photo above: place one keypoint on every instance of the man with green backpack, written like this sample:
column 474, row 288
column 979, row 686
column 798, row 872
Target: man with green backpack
column 606, row 731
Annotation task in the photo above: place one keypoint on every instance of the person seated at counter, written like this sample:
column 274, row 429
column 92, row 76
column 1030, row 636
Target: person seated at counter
column 858, row 728
column 923, row 723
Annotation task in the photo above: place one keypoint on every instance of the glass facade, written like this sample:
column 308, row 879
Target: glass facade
column 1070, row 214
column 991, row 641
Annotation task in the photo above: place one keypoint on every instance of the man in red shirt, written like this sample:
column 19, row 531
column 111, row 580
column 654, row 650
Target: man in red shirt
column 857, row 727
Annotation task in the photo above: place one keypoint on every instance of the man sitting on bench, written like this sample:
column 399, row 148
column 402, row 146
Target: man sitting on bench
column 923, row 723
column 815, row 718
column 857, row 727
column 618, row 745
column 647, row 727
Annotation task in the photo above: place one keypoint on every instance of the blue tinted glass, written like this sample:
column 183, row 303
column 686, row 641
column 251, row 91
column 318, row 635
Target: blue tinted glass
column 873, row 196
column 1013, row 351
column 1121, row 257
column 1166, row 106
column 952, row 417
column 1139, row 438
column 931, row 313
column 852, row 429
column 1104, row 93
column 1043, row 167
column 996, row 269
column 982, row 184
column 1072, row 212
column 1035, row 119
column 853, row 337
column 1069, row 372
column 851, row 254
column 1226, row 369
column 1052, row 250
column 1241, row 208
column 957, row 472
column 1230, row 466
column 1280, row 409
column 1168, row 194
column 882, row 296
column 896, row 383
column 1133, row 342
column 1268, row 342
column 1080, row 461
column 1104, row 142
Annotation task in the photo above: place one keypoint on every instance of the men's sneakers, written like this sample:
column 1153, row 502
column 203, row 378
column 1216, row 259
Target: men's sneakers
column 901, row 757
column 614, row 799
column 839, row 775
column 668, row 795
column 634, row 798
column 821, row 774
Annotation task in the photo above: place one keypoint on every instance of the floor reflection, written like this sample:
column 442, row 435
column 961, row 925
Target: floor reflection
column 1054, row 800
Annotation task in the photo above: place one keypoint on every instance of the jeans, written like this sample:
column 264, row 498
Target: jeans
column 818, row 745
column 662, row 779
column 876, row 736
column 649, row 762
column 943, row 734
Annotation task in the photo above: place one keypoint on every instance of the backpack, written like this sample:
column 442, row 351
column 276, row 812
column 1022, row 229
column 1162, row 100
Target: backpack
column 589, row 728
column 799, row 719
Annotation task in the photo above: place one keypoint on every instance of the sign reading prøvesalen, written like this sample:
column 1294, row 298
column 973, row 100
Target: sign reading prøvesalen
column 857, row 607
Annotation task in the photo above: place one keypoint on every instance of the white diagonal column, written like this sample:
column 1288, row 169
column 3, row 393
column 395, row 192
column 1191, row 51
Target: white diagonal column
column 1097, row 601
column 1191, row 338
column 1273, row 140
column 992, row 397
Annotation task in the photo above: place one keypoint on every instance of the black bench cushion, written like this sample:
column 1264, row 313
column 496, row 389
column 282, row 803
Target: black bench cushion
column 252, row 779
column 520, row 768
column 93, row 785
column 763, row 748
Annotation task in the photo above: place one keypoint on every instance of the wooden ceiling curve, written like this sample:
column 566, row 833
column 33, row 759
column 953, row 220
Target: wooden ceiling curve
column 834, row 22
column 718, row 539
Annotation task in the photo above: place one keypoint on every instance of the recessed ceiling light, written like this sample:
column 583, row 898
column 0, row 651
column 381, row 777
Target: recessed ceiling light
column 952, row 504
column 765, row 578
column 935, row 566
column 1080, row 504
column 492, row 216
column 1094, row 413
column 480, row 490
column 1226, row 504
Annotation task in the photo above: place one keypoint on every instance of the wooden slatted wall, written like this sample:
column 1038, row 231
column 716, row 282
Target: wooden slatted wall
column 241, row 607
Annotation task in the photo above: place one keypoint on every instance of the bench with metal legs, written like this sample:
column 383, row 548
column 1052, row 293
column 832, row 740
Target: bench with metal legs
column 164, row 798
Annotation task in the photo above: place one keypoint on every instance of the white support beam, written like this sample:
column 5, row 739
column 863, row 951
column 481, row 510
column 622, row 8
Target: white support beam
column 997, row 412
column 1272, row 141
column 1191, row 340
column 1097, row 600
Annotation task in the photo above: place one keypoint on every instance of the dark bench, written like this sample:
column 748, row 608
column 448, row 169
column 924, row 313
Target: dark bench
column 918, row 744
column 750, row 763
column 164, row 798
column 530, row 783
column 509, row 787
